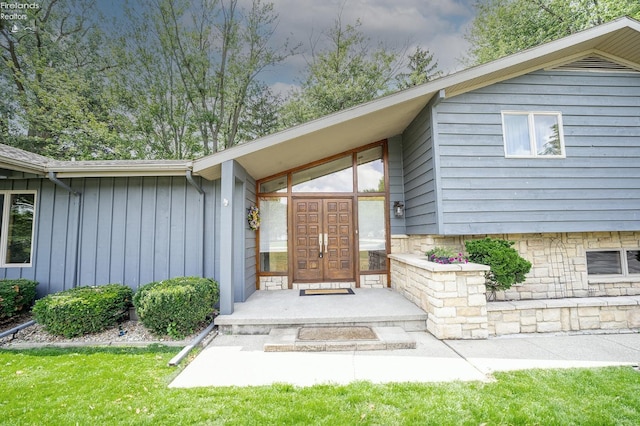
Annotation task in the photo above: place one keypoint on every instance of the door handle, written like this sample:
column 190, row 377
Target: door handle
column 325, row 239
column 321, row 244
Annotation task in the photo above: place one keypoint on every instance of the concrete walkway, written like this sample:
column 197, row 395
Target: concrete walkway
column 237, row 360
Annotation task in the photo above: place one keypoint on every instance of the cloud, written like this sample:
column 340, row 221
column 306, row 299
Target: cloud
column 436, row 25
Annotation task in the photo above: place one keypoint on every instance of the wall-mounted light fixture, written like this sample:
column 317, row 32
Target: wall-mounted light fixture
column 398, row 208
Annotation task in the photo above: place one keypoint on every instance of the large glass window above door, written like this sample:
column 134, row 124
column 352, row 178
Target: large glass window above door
column 334, row 176
column 371, row 170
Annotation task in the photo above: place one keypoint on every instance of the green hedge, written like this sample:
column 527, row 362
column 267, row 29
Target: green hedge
column 16, row 296
column 507, row 266
column 176, row 307
column 83, row 310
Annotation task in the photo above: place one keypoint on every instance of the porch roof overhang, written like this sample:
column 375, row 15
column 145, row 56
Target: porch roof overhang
column 389, row 116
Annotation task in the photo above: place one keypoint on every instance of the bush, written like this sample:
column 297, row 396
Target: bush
column 16, row 296
column 507, row 266
column 176, row 307
column 83, row 310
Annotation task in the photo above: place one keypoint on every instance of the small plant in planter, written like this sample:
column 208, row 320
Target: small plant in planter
column 445, row 256
column 507, row 266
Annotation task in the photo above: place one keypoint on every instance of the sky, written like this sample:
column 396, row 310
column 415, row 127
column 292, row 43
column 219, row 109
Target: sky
column 436, row 25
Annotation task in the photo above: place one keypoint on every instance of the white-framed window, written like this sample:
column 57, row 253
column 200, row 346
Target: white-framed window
column 532, row 134
column 617, row 262
column 17, row 223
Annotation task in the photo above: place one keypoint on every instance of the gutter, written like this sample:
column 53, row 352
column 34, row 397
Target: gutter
column 53, row 178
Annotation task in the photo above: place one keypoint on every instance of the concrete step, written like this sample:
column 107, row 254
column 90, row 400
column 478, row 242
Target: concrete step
column 266, row 310
column 382, row 338
column 230, row 325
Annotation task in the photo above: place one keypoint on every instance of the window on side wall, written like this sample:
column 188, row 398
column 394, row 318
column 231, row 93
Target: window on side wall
column 532, row 134
column 613, row 262
column 17, row 210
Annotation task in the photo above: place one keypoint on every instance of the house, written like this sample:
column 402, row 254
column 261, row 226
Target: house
column 541, row 147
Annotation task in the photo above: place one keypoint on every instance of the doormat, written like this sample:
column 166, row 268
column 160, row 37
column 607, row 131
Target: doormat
column 325, row 291
column 336, row 333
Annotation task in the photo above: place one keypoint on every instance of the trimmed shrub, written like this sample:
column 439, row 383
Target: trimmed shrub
column 176, row 307
column 507, row 266
column 83, row 310
column 16, row 296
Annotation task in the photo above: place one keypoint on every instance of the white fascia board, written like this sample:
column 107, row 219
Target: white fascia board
column 121, row 169
column 21, row 166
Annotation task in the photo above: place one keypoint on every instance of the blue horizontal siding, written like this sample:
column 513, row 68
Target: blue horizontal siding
column 595, row 188
column 419, row 177
column 396, row 183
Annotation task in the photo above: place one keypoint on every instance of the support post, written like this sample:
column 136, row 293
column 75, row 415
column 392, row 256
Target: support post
column 226, row 238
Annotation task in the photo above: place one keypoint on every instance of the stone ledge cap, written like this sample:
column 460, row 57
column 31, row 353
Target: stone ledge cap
column 422, row 262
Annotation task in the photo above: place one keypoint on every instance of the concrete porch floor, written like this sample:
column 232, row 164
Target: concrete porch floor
column 265, row 310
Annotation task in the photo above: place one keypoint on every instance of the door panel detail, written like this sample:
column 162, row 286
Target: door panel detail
column 323, row 240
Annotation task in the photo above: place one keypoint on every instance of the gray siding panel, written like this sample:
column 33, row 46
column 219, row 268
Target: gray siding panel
column 250, row 239
column 53, row 249
column 132, row 231
column 419, row 178
column 595, row 188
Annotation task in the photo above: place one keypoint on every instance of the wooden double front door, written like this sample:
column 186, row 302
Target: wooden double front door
column 323, row 239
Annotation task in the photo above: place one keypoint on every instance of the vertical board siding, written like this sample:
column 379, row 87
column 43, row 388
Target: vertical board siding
column 53, row 246
column 211, row 256
column 132, row 231
column 133, row 245
column 419, row 178
column 595, row 188
column 396, row 183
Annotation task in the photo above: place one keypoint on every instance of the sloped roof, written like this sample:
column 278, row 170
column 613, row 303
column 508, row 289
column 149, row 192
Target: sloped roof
column 24, row 161
column 389, row 116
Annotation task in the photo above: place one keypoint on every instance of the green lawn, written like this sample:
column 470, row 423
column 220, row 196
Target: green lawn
column 129, row 386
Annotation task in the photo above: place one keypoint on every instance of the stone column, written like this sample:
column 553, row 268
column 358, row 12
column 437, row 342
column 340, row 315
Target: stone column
column 452, row 295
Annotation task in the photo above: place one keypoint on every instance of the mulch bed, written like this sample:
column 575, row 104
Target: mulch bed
column 127, row 332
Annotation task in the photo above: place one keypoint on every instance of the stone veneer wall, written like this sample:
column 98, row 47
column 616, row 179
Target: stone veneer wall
column 274, row 282
column 373, row 281
column 559, row 265
column 452, row 295
column 564, row 315
column 281, row 283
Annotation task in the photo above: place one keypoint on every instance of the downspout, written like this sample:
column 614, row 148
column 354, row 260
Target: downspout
column 53, row 178
column 189, row 176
